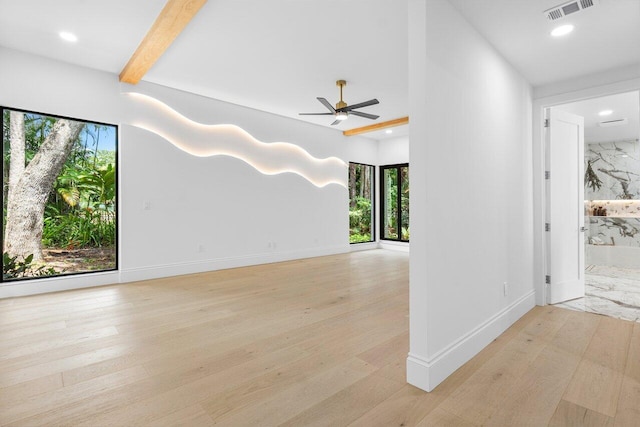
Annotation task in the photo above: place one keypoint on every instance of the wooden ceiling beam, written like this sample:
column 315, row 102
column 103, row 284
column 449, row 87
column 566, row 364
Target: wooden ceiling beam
column 174, row 17
column 377, row 126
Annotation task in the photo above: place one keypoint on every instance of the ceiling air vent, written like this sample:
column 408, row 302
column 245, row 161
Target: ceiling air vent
column 568, row 8
column 617, row 122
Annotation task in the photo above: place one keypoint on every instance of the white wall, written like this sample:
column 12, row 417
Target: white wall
column 393, row 150
column 362, row 150
column 471, row 193
column 205, row 212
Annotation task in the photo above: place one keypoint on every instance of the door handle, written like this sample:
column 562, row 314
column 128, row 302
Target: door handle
column 583, row 228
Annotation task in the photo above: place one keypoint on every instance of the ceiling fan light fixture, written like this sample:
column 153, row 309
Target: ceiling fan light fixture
column 342, row 111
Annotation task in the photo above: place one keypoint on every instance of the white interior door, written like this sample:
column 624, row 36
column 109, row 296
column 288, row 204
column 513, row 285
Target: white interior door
column 565, row 206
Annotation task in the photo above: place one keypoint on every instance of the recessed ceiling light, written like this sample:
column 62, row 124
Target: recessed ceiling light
column 605, row 113
column 562, row 30
column 388, row 131
column 67, row 36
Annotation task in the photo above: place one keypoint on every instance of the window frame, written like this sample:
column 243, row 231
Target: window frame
column 373, row 202
column 116, row 248
column 382, row 205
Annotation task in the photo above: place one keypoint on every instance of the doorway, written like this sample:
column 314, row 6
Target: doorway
column 610, row 206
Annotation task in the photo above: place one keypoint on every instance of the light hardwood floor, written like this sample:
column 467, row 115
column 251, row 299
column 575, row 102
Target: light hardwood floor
column 312, row 342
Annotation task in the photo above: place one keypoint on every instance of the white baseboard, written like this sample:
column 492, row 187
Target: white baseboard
column 23, row 288
column 355, row 247
column 394, row 246
column 427, row 373
column 87, row 280
column 179, row 269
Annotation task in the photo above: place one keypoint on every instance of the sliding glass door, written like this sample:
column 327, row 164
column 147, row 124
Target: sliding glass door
column 394, row 202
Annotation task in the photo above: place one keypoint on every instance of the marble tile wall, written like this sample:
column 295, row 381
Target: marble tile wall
column 617, row 165
column 614, row 231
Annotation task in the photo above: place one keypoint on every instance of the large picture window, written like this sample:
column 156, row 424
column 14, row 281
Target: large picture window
column 361, row 189
column 58, row 195
column 394, row 202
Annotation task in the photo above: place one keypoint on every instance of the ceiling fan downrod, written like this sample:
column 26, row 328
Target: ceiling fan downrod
column 341, row 103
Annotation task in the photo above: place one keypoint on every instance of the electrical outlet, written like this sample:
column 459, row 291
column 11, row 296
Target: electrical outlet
column 146, row 205
column 200, row 248
column 506, row 289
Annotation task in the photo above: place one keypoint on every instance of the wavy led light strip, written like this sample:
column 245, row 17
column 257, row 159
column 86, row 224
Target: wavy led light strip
column 205, row 140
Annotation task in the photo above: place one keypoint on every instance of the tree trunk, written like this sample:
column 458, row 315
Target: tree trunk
column 26, row 204
column 352, row 185
column 366, row 183
column 17, row 141
column 17, row 158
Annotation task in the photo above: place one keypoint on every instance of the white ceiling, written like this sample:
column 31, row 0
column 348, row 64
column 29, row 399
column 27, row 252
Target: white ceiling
column 279, row 55
column 606, row 36
column 108, row 31
column 624, row 106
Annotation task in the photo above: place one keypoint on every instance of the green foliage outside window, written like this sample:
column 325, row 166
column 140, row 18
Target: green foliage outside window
column 360, row 221
column 395, row 202
column 59, row 195
column 361, row 188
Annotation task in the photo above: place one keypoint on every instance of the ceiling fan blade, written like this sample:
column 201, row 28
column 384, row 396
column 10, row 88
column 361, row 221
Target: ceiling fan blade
column 365, row 115
column 326, row 104
column 360, row 105
column 336, row 122
column 315, row 114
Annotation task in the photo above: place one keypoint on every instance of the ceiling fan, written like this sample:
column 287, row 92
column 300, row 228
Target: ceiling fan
column 342, row 110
